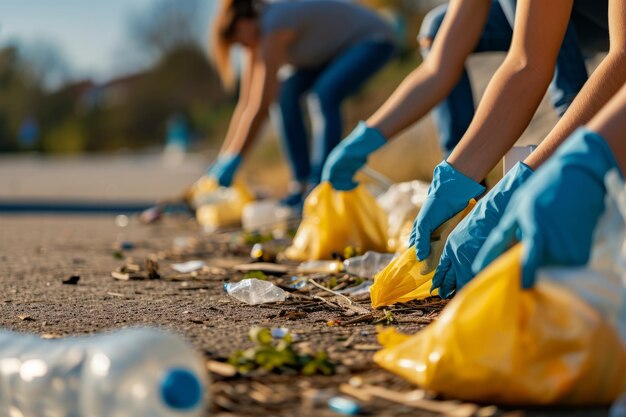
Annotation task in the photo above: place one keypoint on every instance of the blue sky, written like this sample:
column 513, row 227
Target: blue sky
column 92, row 34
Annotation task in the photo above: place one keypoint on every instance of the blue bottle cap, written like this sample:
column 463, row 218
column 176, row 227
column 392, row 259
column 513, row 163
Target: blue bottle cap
column 181, row 389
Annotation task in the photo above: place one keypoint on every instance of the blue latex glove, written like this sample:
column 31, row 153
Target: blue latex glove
column 448, row 194
column 350, row 155
column 455, row 265
column 224, row 169
column 556, row 211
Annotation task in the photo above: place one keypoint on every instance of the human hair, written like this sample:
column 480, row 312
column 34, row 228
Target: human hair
column 229, row 13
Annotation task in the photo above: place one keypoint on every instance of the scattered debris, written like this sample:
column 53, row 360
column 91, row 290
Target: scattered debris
column 222, row 369
column 122, row 220
column 151, row 215
column 188, row 267
column 266, row 268
column 256, row 275
column 279, row 356
column 330, row 267
column 388, row 319
column 253, row 291
column 344, row 405
column 73, row 280
column 132, row 271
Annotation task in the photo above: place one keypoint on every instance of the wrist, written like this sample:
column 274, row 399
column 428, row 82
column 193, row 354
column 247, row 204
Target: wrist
column 369, row 138
column 459, row 183
column 589, row 149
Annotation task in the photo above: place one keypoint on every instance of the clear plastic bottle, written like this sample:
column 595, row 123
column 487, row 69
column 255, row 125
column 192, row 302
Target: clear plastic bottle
column 130, row 373
column 619, row 407
column 255, row 291
column 368, row 265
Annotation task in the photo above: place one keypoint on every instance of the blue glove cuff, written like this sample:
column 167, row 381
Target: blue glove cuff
column 224, row 169
column 444, row 173
column 590, row 150
column 367, row 138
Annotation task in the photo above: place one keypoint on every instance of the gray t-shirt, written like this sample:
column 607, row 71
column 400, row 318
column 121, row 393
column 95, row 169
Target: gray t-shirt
column 324, row 28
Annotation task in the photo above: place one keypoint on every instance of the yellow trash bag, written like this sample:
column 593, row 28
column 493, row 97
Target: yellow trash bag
column 333, row 220
column 405, row 278
column 497, row 343
column 217, row 206
column 401, row 282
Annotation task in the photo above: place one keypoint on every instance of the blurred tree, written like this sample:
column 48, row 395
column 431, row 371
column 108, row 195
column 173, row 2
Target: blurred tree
column 168, row 25
column 46, row 62
column 20, row 94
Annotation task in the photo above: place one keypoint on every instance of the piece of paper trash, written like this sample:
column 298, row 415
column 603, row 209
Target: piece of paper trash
column 187, row 267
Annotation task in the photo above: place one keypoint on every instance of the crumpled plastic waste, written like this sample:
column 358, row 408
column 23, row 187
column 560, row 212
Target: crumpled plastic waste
column 405, row 278
column 497, row 343
column 216, row 206
column 333, row 220
column 402, row 202
column 368, row 264
column 254, row 291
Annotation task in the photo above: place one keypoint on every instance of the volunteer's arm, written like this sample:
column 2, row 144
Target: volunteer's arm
column 242, row 102
column 556, row 211
column 605, row 81
column 516, row 89
column 610, row 123
column 264, row 86
column 433, row 80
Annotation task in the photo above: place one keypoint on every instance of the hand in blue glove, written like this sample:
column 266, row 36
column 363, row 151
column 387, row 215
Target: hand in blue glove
column 556, row 211
column 455, row 264
column 224, row 169
column 448, row 194
column 350, row 155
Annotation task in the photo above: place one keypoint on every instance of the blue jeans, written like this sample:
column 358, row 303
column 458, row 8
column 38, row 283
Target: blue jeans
column 454, row 115
column 324, row 89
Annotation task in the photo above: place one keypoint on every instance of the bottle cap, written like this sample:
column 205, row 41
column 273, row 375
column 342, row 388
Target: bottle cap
column 181, row 389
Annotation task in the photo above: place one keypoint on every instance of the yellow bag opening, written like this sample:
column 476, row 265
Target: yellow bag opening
column 216, row 206
column 405, row 278
column 497, row 343
column 333, row 220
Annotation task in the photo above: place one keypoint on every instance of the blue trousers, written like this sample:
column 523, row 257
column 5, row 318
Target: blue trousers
column 323, row 89
column 454, row 115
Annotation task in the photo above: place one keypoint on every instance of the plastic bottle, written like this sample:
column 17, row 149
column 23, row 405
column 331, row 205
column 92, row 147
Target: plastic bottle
column 135, row 372
column 619, row 407
column 368, row 265
column 255, row 291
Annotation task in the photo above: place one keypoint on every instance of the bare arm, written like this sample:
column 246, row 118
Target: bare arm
column 516, row 89
column 603, row 84
column 242, row 102
column 425, row 87
column 263, row 89
column 610, row 122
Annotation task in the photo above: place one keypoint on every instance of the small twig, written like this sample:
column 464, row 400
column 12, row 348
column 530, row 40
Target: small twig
column 333, row 305
column 361, row 319
column 331, row 291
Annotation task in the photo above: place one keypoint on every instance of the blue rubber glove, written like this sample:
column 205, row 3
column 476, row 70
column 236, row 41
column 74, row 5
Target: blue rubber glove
column 224, row 169
column 455, row 265
column 448, row 194
column 350, row 155
column 556, row 211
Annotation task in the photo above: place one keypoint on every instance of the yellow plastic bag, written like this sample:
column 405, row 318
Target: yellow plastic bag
column 405, row 278
column 497, row 343
column 401, row 282
column 333, row 220
column 216, row 206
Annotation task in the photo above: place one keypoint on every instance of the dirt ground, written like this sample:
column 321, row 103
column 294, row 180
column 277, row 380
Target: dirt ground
column 37, row 253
